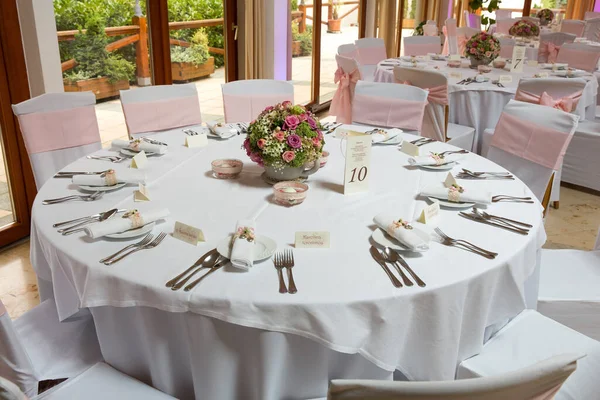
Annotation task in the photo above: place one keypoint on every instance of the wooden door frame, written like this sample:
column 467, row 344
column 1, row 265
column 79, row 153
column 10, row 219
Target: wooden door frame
column 232, row 69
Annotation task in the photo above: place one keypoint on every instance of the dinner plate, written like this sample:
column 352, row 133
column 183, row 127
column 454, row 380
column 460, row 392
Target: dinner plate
column 451, row 204
column 88, row 188
column 131, row 153
column 442, row 167
column 264, row 247
column 131, row 233
column 385, row 240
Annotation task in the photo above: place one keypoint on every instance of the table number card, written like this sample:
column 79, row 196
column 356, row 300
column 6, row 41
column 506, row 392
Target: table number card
column 140, row 160
column 505, row 79
column 518, row 58
column 200, row 140
column 410, row 149
column 141, row 194
column 429, row 213
column 314, row 240
column 188, row 233
column 358, row 162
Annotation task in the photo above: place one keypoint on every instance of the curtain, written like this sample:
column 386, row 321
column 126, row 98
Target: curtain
column 254, row 38
column 387, row 25
column 577, row 8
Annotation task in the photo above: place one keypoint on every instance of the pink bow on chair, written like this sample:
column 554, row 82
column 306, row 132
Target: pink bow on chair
column 551, row 50
column 446, row 48
column 567, row 103
column 341, row 104
column 462, row 44
column 436, row 95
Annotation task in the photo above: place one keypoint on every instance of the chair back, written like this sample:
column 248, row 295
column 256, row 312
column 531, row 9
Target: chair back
column 535, row 20
column 58, row 128
column 348, row 50
column 153, row 109
column 244, row 100
column 591, row 15
column 506, row 47
column 346, row 76
column 503, row 25
column 435, row 119
column 503, row 14
column 430, row 30
column 573, row 26
column 422, row 45
column 592, row 29
column 451, row 33
column 550, row 44
column 472, row 20
column 563, row 94
column 15, row 364
column 579, row 55
column 530, row 141
column 540, row 381
column 389, row 105
column 431, row 22
column 10, row 391
column 370, row 51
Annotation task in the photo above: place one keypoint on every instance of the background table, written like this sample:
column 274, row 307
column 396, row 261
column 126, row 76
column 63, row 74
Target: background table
column 234, row 336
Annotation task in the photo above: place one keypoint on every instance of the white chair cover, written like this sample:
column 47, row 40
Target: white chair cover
column 573, row 26
column 591, row 15
column 153, row 109
column 503, row 14
column 530, row 337
column 348, row 50
column 535, row 382
column 592, row 29
column 244, row 100
column 550, row 44
column 467, row 31
column 532, row 19
column 530, row 141
column 579, row 55
column 10, row 391
column 451, row 33
column 370, row 51
column 422, row 45
column 58, row 128
column 472, row 20
column 503, row 25
column 581, row 165
column 506, row 47
column 430, row 30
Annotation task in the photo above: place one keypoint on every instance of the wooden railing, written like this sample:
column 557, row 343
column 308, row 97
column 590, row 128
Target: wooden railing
column 330, row 6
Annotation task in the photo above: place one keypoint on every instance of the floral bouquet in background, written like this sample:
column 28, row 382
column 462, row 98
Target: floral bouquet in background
column 524, row 28
column 482, row 48
column 545, row 15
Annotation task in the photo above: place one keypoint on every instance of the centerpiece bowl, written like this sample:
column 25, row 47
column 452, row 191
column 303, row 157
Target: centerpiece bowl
column 482, row 49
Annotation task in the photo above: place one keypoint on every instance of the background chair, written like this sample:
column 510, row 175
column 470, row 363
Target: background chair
column 573, row 26
column 579, row 55
column 348, row 50
column 371, row 51
column 422, row 45
column 389, row 105
column 451, row 34
column 532, row 19
column 503, row 14
column 346, row 77
column 153, row 109
column 592, row 29
column 435, row 121
column 591, row 15
column 430, row 30
column 581, row 165
column 507, row 46
column 550, row 44
column 244, row 100
column 58, row 128
column 503, row 25
column 472, row 20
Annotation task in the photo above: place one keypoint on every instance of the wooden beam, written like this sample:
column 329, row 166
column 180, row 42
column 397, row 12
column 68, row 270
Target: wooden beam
column 349, row 12
column 111, row 31
column 203, row 23
column 67, row 65
column 230, row 32
column 158, row 13
column 126, row 41
column 362, row 19
column 526, row 8
column 177, row 42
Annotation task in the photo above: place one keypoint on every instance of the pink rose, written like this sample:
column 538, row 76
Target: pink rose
column 261, row 143
column 292, row 121
column 279, row 135
column 286, row 103
column 316, row 142
column 473, row 51
column 488, row 54
column 288, row 156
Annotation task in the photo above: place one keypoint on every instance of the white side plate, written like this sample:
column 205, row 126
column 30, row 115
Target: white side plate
column 451, row 204
column 87, row 188
column 385, row 240
column 132, row 153
column 442, row 167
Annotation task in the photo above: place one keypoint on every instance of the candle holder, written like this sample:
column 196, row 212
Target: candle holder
column 289, row 193
column 227, row 168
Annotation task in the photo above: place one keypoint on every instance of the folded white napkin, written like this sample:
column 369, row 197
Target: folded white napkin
column 469, row 195
column 119, row 224
column 127, row 176
column 242, row 252
column 407, row 237
column 383, row 135
column 406, row 64
column 143, row 145
column 224, row 131
column 553, row 65
column 429, row 160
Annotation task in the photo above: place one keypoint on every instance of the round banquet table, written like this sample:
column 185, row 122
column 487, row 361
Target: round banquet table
column 479, row 105
column 234, row 336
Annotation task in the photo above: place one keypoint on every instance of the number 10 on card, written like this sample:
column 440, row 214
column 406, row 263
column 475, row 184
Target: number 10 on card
column 358, row 163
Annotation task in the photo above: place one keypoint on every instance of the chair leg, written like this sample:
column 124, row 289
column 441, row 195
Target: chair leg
column 556, row 204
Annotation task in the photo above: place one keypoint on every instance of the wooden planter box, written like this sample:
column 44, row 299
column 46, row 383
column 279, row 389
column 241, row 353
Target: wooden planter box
column 101, row 87
column 296, row 49
column 183, row 72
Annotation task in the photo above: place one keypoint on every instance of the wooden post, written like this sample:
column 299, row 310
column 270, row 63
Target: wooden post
column 141, row 53
column 302, row 24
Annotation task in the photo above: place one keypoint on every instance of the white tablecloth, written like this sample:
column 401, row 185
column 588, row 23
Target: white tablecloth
column 479, row 105
column 345, row 303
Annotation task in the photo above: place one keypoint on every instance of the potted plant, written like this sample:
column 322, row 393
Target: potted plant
column 97, row 69
column 301, row 42
column 482, row 49
column 546, row 16
column 193, row 62
column 334, row 24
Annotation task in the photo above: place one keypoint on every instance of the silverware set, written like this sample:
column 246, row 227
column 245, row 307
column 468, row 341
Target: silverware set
column 499, row 222
column 211, row 262
column 330, row 127
column 77, row 225
column 190, row 132
column 242, row 127
column 467, row 81
column 422, row 141
column 463, row 244
column 392, row 257
column 497, row 83
column 70, row 174
column 511, row 199
column 92, row 197
column 285, row 259
column 466, row 174
column 154, row 141
column 148, row 242
column 448, row 152
column 113, row 159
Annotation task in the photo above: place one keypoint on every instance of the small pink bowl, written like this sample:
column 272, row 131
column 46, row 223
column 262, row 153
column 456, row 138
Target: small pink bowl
column 499, row 63
column 323, row 159
column 484, row 69
column 227, row 168
column 454, row 63
column 290, row 193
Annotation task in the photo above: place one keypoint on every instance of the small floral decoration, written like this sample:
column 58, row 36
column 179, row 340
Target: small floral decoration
column 401, row 224
column 245, row 232
column 545, row 15
column 135, row 144
column 482, row 46
column 456, row 188
column 524, row 28
column 419, row 29
column 284, row 135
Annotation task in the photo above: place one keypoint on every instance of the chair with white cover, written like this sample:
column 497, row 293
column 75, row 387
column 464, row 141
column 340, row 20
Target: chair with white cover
column 346, row 77
column 537, row 381
column 535, row 20
column 472, row 20
column 389, row 105
column 530, row 140
column 574, row 302
column 435, row 121
column 503, row 25
column 159, row 108
column 503, row 14
column 550, row 44
column 422, row 45
column 581, row 165
column 371, row 51
column 507, row 46
column 591, row 15
column 37, row 347
column 573, row 26
column 451, row 37
column 244, row 100
column 579, row 55
column 430, row 30
column 58, row 128
column 348, row 50
column 592, row 29
column 529, row 338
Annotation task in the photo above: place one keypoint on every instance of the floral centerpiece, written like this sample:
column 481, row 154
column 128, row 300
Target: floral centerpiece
column 545, row 15
column 482, row 49
column 524, row 28
column 285, row 139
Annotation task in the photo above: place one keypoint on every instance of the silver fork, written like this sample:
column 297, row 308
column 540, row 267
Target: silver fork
column 288, row 261
column 448, row 241
column 113, row 159
column 513, row 199
column 142, row 242
column 157, row 240
column 91, row 197
column 278, row 262
column 448, row 152
column 486, row 173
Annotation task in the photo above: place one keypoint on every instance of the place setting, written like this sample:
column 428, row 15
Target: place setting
column 444, row 160
column 222, row 130
column 511, row 225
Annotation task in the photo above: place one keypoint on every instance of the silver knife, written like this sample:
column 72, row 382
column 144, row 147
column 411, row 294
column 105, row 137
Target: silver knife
column 488, row 222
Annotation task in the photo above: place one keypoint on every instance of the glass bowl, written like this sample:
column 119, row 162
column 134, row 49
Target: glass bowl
column 499, row 63
column 323, row 159
column 289, row 193
column 227, row 168
column 454, row 63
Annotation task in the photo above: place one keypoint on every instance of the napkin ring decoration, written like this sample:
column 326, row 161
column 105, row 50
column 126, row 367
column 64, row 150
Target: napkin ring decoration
column 439, row 160
column 245, row 232
column 399, row 224
column 454, row 192
column 111, row 177
column 135, row 144
column 135, row 217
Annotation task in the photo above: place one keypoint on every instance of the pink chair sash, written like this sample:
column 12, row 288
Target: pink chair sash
column 527, row 140
column 388, row 112
column 341, row 104
column 581, row 59
column 62, row 129
column 436, row 95
column 371, row 55
column 153, row 116
column 572, row 27
column 567, row 103
column 550, row 50
column 2, row 309
column 246, row 107
column 462, row 44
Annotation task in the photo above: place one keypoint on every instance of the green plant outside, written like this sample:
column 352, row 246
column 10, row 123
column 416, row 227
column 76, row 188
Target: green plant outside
column 305, row 39
column 196, row 54
column 491, row 5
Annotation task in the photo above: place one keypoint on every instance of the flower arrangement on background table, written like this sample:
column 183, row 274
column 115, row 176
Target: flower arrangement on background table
column 545, row 15
column 482, row 48
column 524, row 29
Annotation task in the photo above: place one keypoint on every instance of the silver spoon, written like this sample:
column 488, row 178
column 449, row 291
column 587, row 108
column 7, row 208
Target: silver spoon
column 208, row 263
column 387, row 256
column 394, row 256
column 77, row 228
column 486, row 173
column 91, row 197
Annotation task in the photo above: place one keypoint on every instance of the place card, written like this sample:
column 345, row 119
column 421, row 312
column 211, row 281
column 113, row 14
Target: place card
column 140, row 160
column 314, row 240
column 450, row 180
column 429, row 213
column 410, row 149
column 455, row 74
column 200, row 140
column 454, row 57
column 505, row 79
column 358, row 162
column 518, row 57
column 141, row 194
column 532, row 63
column 188, row 233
